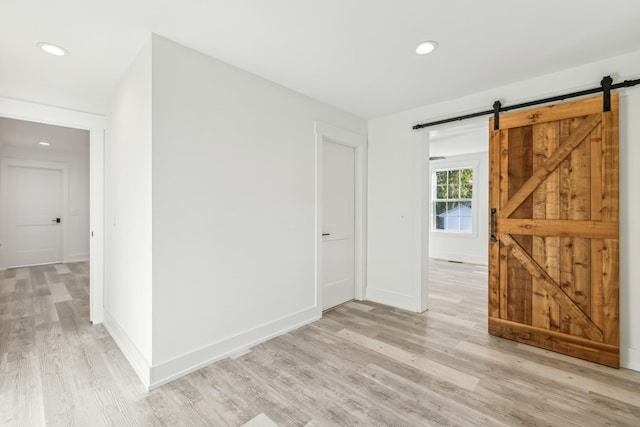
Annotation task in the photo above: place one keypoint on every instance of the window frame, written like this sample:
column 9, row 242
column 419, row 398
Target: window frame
column 443, row 165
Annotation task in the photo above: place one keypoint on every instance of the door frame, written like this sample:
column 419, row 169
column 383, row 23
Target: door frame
column 5, row 164
column 95, row 124
column 326, row 132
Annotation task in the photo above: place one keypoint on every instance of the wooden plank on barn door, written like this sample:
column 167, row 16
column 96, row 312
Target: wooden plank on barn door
column 520, row 169
column 546, row 205
column 494, row 250
column 553, row 272
column 503, row 197
column 575, row 202
column 610, row 212
column 597, row 297
column 556, row 227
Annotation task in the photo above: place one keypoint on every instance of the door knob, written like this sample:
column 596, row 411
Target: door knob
column 57, row 220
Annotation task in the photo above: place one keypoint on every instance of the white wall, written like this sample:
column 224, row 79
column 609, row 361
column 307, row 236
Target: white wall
column 128, row 279
column 394, row 247
column 458, row 246
column 233, row 208
column 392, row 180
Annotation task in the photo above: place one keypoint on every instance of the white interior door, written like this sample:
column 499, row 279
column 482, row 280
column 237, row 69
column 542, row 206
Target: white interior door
column 34, row 202
column 338, row 227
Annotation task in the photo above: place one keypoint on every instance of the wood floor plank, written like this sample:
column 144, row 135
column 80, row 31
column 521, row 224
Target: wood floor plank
column 358, row 306
column 59, row 292
column 333, row 402
column 452, row 320
column 44, row 310
column 230, row 407
column 595, row 370
column 62, row 269
column 8, row 285
column 459, row 413
column 446, row 373
column 21, row 394
column 158, row 411
column 567, row 379
column 264, row 394
column 261, row 420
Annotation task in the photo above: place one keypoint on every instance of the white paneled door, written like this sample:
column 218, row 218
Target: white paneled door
column 338, row 224
column 34, row 210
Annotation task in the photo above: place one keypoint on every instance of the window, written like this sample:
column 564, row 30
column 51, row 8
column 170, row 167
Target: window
column 452, row 197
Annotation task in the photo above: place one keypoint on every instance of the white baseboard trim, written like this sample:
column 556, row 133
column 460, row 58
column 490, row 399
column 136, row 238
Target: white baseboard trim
column 406, row 302
column 76, row 258
column 168, row 371
column 454, row 256
column 137, row 361
column 630, row 358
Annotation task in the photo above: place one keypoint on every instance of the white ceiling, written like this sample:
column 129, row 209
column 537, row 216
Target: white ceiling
column 357, row 55
column 24, row 134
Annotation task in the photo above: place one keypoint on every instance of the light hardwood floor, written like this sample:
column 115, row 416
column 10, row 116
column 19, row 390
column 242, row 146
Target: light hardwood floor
column 362, row 364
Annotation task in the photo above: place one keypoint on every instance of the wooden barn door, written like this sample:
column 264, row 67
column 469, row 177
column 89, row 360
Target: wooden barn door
column 553, row 257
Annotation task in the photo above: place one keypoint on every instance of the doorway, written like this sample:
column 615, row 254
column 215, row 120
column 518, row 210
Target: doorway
column 94, row 125
column 455, row 253
column 457, row 176
column 553, row 260
column 44, row 194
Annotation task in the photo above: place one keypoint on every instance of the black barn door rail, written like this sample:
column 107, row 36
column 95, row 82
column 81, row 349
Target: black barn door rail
column 606, row 86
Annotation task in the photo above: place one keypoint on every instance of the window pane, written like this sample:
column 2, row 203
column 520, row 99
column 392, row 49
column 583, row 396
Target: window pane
column 454, row 191
column 441, row 178
column 453, row 209
column 466, row 176
column 465, row 216
column 454, row 176
column 465, row 208
column 466, row 191
column 452, row 223
column 441, row 207
column 441, row 192
column 465, row 223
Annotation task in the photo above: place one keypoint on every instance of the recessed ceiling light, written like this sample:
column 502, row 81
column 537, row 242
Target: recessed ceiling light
column 45, row 143
column 426, row 47
column 52, row 49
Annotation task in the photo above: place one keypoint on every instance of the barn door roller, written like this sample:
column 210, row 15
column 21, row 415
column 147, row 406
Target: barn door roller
column 606, row 93
column 496, row 115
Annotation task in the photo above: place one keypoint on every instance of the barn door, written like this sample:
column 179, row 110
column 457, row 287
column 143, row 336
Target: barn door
column 553, row 256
